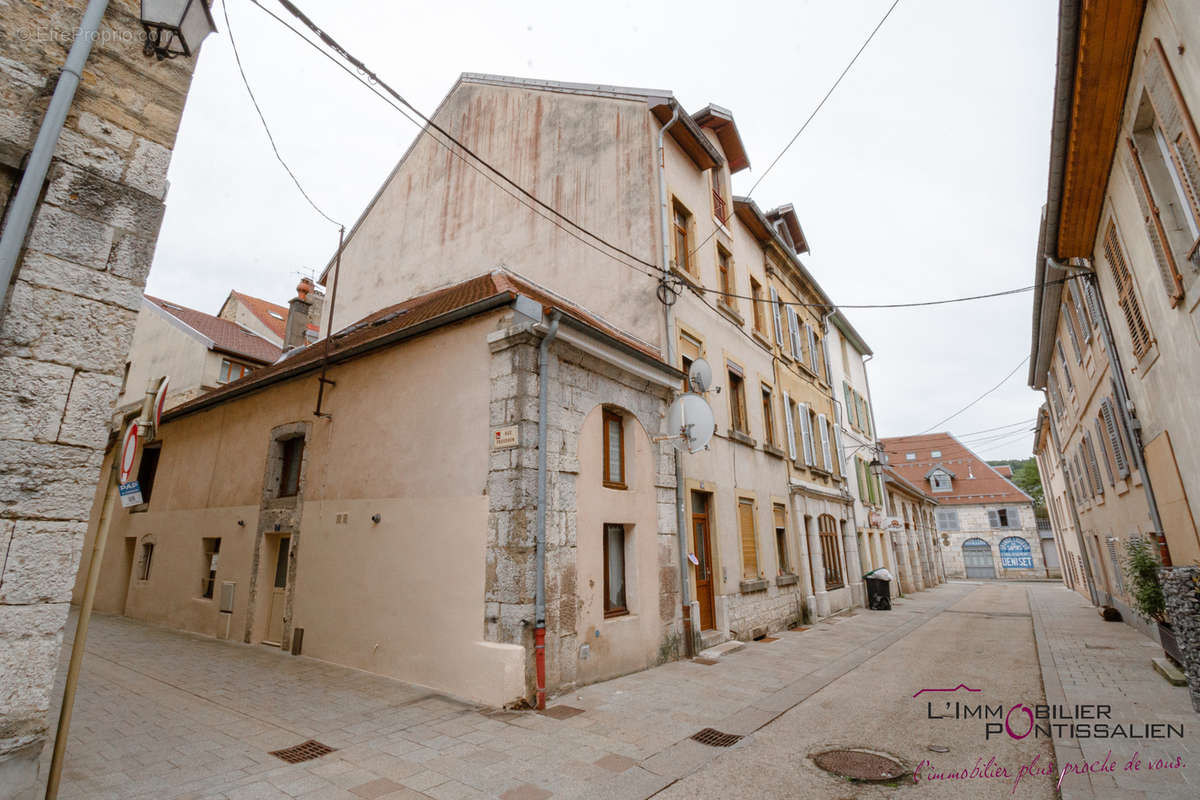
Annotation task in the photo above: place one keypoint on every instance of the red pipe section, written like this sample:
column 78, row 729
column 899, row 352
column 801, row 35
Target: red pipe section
column 539, row 658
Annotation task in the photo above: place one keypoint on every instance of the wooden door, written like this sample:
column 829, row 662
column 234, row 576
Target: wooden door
column 278, row 592
column 702, row 549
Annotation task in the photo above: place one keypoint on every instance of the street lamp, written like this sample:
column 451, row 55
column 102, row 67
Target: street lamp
column 175, row 27
column 876, row 468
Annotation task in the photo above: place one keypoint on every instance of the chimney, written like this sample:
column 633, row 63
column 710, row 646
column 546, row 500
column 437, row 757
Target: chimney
column 299, row 308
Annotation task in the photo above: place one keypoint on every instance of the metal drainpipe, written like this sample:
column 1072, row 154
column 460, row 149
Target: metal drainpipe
column 685, row 599
column 1062, row 468
column 23, row 204
column 1133, row 428
column 539, row 610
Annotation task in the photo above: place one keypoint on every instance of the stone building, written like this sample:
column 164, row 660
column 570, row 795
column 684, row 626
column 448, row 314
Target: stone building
column 67, row 318
column 985, row 523
column 396, row 529
column 1115, row 349
column 769, row 519
column 913, row 536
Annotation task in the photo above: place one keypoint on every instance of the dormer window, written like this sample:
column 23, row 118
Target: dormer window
column 935, row 453
column 940, row 482
column 910, row 456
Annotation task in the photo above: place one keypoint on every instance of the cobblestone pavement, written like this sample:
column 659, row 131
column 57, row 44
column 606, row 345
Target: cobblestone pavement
column 162, row 714
column 1086, row 660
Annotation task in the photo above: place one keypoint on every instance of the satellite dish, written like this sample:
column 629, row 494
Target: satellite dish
column 690, row 422
column 700, row 376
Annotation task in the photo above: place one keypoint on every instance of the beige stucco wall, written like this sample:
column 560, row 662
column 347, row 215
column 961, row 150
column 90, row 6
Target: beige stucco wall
column 162, row 345
column 401, row 598
column 1163, row 385
column 589, row 158
column 622, row 644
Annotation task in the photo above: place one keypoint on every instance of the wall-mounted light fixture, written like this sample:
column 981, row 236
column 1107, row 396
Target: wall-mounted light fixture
column 175, row 27
column 376, row 518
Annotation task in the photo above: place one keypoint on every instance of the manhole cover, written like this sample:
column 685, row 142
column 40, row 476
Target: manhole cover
column 562, row 712
column 306, row 751
column 860, row 765
column 714, row 738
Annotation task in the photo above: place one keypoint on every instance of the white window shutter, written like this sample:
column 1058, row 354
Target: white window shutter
column 993, row 518
column 791, row 426
column 1100, row 437
column 775, row 311
column 794, row 333
column 806, row 434
column 823, row 427
column 1077, row 299
column 812, row 347
column 1093, row 302
column 1114, row 437
column 837, row 438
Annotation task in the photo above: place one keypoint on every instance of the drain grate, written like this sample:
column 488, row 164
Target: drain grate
column 708, row 662
column 860, row 765
column 305, row 751
column 714, row 738
column 562, row 712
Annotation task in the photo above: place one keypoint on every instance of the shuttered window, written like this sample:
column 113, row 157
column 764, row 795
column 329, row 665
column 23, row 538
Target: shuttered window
column 851, row 409
column 1160, row 242
column 1093, row 300
column 826, row 453
column 1115, row 441
column 947, row 519
column 737, row 400
column 837, row 439
column 812, row 348
column 859, row 469
column 806, row 435
column 1069, row 322
column 1093, row 464
column 831, row 552
column 781, row 550
column 749, row 543
column 1062, row 362
column 1139, row 334
column 777, row 313
column 790, row 425
column 1082, row 315
column 768, row 408
column 1104, row 455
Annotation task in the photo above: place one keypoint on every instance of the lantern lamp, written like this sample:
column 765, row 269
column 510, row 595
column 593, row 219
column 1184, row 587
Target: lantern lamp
column 175, row 27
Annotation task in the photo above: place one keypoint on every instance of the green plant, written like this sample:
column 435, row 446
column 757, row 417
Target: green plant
column 1141, row 567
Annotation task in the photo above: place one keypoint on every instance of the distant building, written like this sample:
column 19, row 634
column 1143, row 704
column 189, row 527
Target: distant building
column 268, row 319
column 913, row 533
column 986, row 524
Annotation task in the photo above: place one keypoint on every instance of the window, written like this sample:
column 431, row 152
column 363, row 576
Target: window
column 1068, row 321
column 1104, row 455
column 1092, row 464
column 934, row 454
column 1115, row 441
column 147, row 469
column 614, row 570
column 760, row 320
column 806, row 435
column 941, row 482
column 947, row 519
column 1062, row 363
column 1139, row 334
column 232, row 370
column 768, row 416
column 781, row 552
column 725, row 276
column 1004, row 518
column 794, row 334
column 720, row 209
column 831, row 553
column 777, row 315
column 614, row 450
column 826, row 451
column 147, row 557
column 1115, row 562
column 737, row 400
column 814, row 357
column 682, row 226
column 212, row 547
column 860, row 469
column 289, row 475
column 789, row 417
column 689, row 351
column 749, row 542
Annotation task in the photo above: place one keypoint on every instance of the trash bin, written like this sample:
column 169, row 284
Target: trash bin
column 879, row 591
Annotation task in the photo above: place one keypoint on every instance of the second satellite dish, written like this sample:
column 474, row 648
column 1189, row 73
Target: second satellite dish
column 690, row 422
column 700, row 376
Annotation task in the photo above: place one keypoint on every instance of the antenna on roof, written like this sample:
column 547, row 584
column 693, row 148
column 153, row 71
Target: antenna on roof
column 307, row 272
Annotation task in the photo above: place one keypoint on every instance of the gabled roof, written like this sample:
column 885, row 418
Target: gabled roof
column 720, row 121
column 891, row 476
column 1004, row 469
column 226, row 337
column 418, row 315
column 977, row 482
column 939, row 467
column 787, row 216
column 273, row 315
column 762, row 228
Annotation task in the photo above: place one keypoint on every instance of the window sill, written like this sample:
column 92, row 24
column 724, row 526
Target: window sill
column 774, row 451
column 787, row 579
column 689, row 280
column 617, row 613
column 747, row 587
column 738, row 436
column 620, row 487
column 833, row 587
column 761, row 338
column 730, row 312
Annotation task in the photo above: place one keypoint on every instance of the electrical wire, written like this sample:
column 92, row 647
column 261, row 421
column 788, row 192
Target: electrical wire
column 1029, row 421
column 977, row 399
column 266, row 128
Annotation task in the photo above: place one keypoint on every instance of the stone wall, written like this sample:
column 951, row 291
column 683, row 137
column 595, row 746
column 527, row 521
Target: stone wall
column 973, row 523
column 69, row 317
column 578, row 384
column 775, row 608
column 1181, row 588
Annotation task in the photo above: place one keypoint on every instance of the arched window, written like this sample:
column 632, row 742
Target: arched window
column 1015, row 553
column 831, row 552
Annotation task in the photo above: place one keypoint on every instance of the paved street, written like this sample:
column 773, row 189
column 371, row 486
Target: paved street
column 162, row 714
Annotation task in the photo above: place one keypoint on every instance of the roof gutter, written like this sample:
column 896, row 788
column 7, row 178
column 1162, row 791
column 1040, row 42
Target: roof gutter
column 1047, row 294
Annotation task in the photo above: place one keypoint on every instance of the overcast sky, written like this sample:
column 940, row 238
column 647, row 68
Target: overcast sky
column 922, row 177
